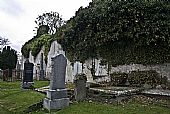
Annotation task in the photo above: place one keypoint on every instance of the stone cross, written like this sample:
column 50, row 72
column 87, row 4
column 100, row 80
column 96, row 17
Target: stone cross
column 57, row 94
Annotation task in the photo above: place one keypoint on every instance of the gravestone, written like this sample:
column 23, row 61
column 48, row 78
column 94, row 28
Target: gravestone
column 80, row 87
column 41, row 68
column 57, row 93
column 1, row 74
column 18, row 70
column 27, row 81
column 77, row 68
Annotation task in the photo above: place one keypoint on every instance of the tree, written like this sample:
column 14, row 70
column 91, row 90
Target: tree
column 3, row 42
column 121, row 31
column 8, row 58
column 52, row 19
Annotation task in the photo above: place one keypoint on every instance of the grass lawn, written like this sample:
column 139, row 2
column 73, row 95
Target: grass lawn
column 13, row 99
column 99, row 108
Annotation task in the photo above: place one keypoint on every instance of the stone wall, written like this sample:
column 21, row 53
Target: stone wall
column 100, row 71
column 162, row 69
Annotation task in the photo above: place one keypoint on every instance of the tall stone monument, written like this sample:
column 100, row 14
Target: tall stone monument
column 57, row 94
column 27, row 81
column 41, row 68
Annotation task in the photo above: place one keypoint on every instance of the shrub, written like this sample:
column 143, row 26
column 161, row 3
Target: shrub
column 138, row 78
column 118, row 78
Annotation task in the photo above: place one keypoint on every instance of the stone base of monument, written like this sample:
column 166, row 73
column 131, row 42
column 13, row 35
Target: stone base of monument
column 56, row 99
column 27, row 85
column 57, row 94
column 55, row 103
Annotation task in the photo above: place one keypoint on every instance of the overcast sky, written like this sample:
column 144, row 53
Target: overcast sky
column 17, row 16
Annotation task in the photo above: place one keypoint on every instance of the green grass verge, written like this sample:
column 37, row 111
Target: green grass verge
column 38, row 84
column 13, row 99
column 99, row 108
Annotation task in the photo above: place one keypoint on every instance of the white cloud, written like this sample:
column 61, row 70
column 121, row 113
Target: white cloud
column 11, row 7
column 18, row 16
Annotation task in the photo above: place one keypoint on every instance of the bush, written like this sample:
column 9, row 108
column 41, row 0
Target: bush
column 118, row 78
column 138, row 78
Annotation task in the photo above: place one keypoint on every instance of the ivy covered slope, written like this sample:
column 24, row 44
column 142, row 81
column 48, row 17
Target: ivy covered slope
column 41, row 39
column 35, row 44
column 120, row 32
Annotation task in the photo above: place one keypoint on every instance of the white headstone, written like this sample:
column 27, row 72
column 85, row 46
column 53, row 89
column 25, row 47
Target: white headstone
column 77, row 68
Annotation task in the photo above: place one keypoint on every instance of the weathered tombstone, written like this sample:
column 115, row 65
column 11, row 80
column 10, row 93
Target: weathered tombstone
column 10, row 75
column 1, row 74
column 77, row 68
column 41, row 68
column 18, row 70
column 5, row 75
column 27, row 82
column 127, row 83
column 57, row 93
column 80, row 87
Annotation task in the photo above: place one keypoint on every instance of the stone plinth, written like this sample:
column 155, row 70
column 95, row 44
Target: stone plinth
column 57, row 94
column 55, row 103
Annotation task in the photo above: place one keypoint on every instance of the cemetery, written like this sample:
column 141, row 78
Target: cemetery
column 112, row 57
column 55, row 95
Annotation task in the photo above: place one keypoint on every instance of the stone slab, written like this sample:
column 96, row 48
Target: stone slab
column 117, row 91
column 157, row 92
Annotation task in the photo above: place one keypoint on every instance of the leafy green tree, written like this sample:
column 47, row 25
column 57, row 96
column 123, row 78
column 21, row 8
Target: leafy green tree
column 52, row 19
column 3, row 42
column 121, row 32
column 47, row 23
column 8, row 58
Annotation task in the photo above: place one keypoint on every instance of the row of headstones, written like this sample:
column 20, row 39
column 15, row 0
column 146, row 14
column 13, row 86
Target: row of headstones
column 57, row 93
column 10, row 74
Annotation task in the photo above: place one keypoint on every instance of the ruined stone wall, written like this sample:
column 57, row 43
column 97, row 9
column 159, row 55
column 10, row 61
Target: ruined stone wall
column 162, row 69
